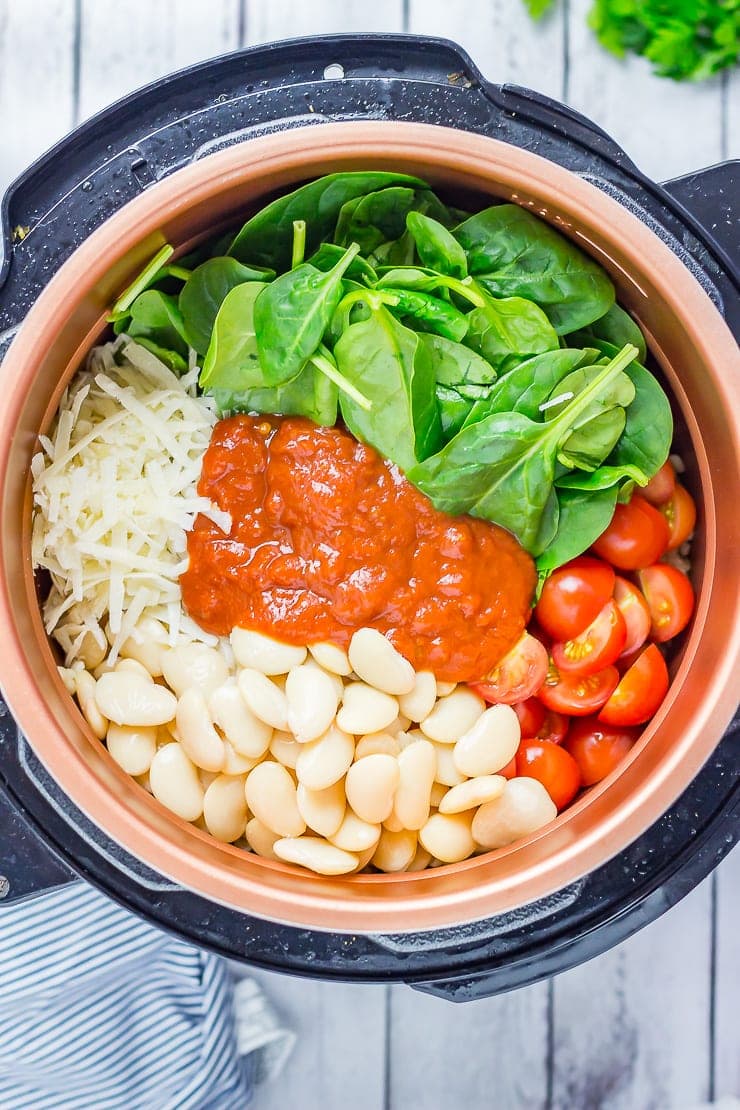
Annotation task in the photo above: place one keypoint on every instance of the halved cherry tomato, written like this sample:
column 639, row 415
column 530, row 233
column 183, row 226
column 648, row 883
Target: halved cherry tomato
column 636, row 537
column 518, row 675
column 634, row 609
column 509, row 771
column 554, row 727
column 531, row 714
column 596, row 647
column 640, row 691
column 598, row 748
column 670, row 598
column 660, row 487
column 551, row 765
column 578, row 694
column 573, row 596
column 680, row 512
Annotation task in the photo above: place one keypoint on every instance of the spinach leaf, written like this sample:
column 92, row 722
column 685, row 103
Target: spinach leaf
column 232, row 359
column 509, row 331
column 155, row 316
column 515, row 254
column 292, row 314
column 429, row 313
column 453, row 409
column 456, row 365
column 648, row 433
column 390, row 364
column 436, row 246
column 428, row 281
column 617, row 328
column 267, row 238
column 582, row 516
column 394, row 252
column 529, row 384
column 375, row 218
column 311, row 394
column 621, row 391
column 603, row 478
column 329, row 254
column 205, row 291
column 588, row 445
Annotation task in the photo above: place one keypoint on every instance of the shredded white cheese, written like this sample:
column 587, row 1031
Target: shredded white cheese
column 114, row 488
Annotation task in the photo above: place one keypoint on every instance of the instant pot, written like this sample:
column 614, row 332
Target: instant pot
column 45, row 838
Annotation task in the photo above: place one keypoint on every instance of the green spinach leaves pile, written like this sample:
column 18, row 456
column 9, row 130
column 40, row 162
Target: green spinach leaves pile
column 483, row 354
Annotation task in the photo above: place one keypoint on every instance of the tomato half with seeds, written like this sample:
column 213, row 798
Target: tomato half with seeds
column 640, row 691
column 661, row 485
column 596, row 647
column 636, row 614
column 670, row 599
column 680, row 513
column 573, row 596
column 578, row 694
column 518, row 675
column 551, row 765
column 539, row 723
column 598, row 748
column 637, row 536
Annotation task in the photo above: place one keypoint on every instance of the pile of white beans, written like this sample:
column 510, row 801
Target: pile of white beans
column 328, row 759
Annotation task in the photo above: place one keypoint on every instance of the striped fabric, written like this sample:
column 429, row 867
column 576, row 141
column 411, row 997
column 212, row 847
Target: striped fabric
column 99, row 1010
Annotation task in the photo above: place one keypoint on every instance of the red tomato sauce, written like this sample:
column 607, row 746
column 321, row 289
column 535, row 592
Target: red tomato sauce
column 328, row 537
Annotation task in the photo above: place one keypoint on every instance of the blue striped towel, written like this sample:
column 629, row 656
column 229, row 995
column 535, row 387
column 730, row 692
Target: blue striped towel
column 99, row 1010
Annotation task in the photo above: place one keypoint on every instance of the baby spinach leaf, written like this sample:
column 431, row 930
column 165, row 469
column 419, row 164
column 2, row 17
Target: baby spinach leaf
column 515, row 254
column 428, row 281
column 232, row 359
column 267, row 238
column 589, row 444
column 205, row 291
column 390, row 365
column 329, row 254
column 453, row 409
column 646, row 440
column 456, row 365
column 603, row 478
column 311, row 394
column 430, row 313
column 621, row 391
column 156, row 317
column 529, row 384
column 375, row 218
column 436, row 246
column 582, row 516
column 394, row 252
column 616, row 327
column 292, row 314
column 509, row 331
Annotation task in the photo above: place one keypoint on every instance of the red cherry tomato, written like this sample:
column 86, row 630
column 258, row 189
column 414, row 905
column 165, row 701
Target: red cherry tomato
column 660, row 487
column 578, row 694
column 670, row 598
column 573, row 596
column 518, row 675
column 598, row 748
column 554, row 727
column 596, row 647
column 634, row 609
column 531, row 714
column 640, row 691
column 680, row 512
column 551, row 765
column 636, row 537
column 509, row 771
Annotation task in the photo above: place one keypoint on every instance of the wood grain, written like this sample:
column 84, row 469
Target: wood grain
column 267, row 20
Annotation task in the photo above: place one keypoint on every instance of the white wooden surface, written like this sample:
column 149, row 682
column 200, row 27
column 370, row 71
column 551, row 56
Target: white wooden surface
column 653, row 1024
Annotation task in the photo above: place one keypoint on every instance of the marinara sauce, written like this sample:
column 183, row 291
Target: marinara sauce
column 328, row 537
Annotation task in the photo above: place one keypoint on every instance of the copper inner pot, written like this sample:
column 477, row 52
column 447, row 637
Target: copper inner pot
column 696, row 353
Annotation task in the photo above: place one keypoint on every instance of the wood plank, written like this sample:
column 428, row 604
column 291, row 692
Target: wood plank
column 731, row 115
column 667, row 127
column 500, row 37
column 278, row 19
column 726, row 979
column 36, row 79
column 338, row 1060
column 631, row 1028
column 483, row 1054
column 125, row 45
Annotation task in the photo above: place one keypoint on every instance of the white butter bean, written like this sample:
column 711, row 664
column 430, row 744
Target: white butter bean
column 246, row 733
column 375, row 660
column 421, row 860
column 419, row 702
column 261, row 839
column 472, row 793
column 395, row 850
column 133, row 667
column 316, row 854
column 448, row 837
column 490, row 744
column 312, row 702
column 363, row 858
column 262, row 653
column 174, row 782
column 331, row 657
column 365, row 710
column 444, row 689
column 225, row 809
column 417, row 766
column 285, row 748
column 197, row 734
column 146, row 644
column 322, row 810
column 377, row 742
column 356, row 835
column 323, row 762
column 266, row 700
column 336, row 682
column 194, row 665
column 447, row 773
column 452, row 716
column 129, row 699
column 237, row 764
column 438, row 792
column 392, row 823
column 271, row 796
column 86, row 687
column 371, row 785
column 523, row 807
column 132, row 748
